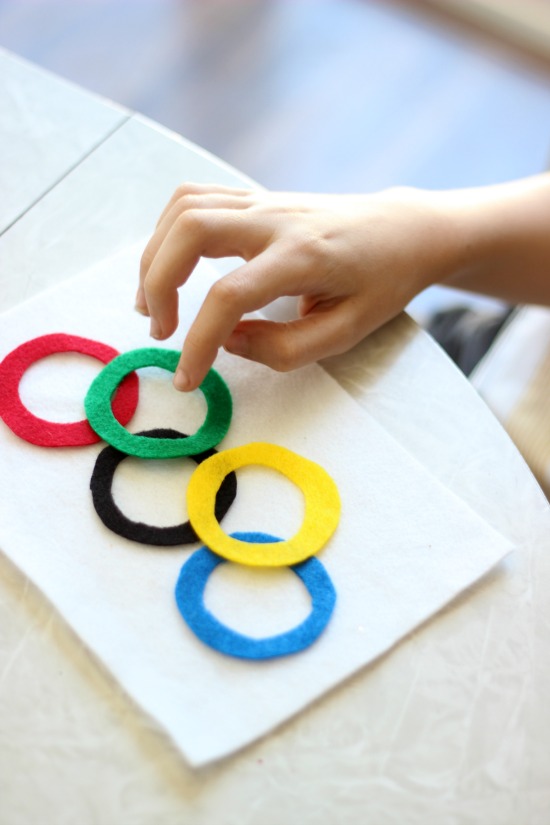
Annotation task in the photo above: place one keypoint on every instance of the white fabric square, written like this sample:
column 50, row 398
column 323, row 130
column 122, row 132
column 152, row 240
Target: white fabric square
column 405, row 545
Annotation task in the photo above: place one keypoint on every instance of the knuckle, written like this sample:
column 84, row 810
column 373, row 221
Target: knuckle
column 309, row 249
column 190, row 220
column 283, row 356
column 227, row 291
column 182, row 190
column 188, row 201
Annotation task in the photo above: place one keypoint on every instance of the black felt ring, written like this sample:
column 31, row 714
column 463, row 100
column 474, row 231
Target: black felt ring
column 113, row 518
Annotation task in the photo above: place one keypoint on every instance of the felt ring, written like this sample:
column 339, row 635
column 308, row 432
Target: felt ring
column 48, row 433
column 100, row 415
column 322, row 505
column 113, row 518
column 189, row 594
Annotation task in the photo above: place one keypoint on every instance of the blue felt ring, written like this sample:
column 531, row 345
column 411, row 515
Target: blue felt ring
column 190, row 601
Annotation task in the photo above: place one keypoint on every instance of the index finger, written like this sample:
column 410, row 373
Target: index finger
column 246, row 289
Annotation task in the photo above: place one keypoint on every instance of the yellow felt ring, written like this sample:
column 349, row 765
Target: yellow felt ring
column 322, row 505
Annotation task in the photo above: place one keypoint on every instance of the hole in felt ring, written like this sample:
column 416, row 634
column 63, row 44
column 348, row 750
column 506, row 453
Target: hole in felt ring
column 160, row 405
column 268, row 502
column 257, row 602
column 54, row 387
column 153, row 491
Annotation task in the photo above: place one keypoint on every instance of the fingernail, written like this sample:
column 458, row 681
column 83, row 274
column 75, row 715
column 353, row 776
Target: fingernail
column 181, row 380
column 141, row 309
column 238, row 343
column 155, row 330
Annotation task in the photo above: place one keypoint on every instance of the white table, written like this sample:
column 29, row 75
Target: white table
column 452, row 726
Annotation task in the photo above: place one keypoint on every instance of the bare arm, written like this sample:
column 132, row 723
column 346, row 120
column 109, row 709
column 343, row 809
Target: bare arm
column 505, row 239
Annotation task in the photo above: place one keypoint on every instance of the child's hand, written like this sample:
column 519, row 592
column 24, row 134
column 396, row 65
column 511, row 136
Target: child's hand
column 354, row 260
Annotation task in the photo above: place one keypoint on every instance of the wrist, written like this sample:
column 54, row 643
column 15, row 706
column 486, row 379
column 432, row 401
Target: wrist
column 441, row 236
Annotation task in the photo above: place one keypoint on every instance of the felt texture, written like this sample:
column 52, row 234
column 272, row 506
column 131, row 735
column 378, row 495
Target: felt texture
column 190, row 589
column 404, row 548
column 322, row 505
column 45, row 433
column 113, row 518
column 101, row 418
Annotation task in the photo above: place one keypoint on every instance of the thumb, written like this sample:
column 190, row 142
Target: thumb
column 287, row 346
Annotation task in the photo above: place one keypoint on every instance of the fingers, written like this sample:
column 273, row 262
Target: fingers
column 212, row 233
column 198, row 190
column 185, row 198
column 248, row 288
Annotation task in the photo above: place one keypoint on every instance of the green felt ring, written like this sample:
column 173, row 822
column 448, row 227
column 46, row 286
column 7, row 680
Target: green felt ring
column 100, row 415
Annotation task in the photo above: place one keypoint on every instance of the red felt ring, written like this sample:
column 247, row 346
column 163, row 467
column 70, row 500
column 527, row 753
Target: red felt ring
column 49, row 433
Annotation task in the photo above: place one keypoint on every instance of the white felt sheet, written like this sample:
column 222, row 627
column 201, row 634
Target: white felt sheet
column 405, row 545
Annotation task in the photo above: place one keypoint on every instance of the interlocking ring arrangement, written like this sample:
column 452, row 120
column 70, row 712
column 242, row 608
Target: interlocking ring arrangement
column 110, row 403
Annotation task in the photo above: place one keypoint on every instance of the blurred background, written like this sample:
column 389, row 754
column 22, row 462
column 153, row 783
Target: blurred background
column 318, row 95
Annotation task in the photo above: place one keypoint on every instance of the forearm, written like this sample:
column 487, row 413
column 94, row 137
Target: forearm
column 501, row 241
